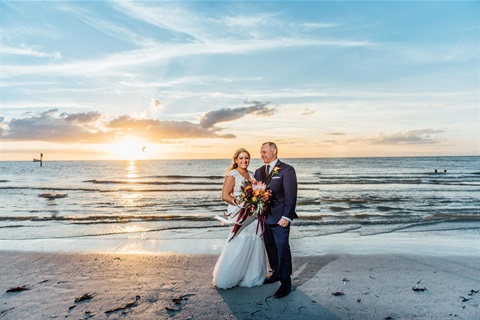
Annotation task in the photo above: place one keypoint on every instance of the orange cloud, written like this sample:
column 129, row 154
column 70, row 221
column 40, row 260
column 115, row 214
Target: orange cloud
column 93, row 127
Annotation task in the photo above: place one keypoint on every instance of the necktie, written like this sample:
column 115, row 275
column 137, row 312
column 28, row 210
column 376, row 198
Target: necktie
column 268, row 169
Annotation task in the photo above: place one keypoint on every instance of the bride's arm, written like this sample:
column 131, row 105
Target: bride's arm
column 227, row 190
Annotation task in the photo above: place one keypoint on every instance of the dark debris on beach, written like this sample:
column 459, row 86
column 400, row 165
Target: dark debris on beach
column 18, row 289
column 86, row 296
column 472, row 292
column 126, row 306
column 179, row 303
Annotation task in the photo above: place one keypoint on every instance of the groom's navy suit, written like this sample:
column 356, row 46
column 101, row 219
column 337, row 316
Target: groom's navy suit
column 283, row 201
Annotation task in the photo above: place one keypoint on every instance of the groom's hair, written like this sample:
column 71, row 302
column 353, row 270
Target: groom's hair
column 271, row 145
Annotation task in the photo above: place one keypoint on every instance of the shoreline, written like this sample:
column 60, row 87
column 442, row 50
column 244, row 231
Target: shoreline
column 178, row 286
column 212, row 240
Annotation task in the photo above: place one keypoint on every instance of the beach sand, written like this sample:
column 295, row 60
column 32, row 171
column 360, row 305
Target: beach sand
column 178, row 286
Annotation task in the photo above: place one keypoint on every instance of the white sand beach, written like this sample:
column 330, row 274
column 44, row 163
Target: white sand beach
column 178, row 286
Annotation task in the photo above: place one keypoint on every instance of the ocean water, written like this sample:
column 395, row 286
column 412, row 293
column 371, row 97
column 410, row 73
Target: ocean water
column 368, row 196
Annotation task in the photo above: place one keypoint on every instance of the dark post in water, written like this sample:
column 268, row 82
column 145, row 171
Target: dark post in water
column 39, row 160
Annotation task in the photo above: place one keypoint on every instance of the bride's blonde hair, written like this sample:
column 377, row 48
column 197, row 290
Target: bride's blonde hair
column 235, row 156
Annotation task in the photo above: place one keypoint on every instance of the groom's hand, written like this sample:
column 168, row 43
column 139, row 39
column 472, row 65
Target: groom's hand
column 283, row 223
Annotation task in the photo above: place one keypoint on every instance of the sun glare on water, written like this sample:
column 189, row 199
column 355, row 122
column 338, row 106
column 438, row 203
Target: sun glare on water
column 130, row 148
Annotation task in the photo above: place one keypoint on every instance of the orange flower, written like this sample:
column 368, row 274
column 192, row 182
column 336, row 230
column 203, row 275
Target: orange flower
column 275, row 170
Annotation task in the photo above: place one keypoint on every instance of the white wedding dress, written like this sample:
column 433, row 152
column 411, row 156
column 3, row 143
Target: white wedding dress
column 243, row 260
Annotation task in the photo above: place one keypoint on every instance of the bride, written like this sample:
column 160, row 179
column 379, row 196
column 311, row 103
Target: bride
column 242, row 261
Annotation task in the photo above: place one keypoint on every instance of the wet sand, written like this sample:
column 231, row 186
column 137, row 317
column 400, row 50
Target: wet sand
column 178, row 286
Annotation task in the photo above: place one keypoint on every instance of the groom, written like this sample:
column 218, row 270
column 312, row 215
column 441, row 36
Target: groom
column 282, row 180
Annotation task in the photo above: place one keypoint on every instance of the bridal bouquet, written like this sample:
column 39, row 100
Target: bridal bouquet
column 254, row 198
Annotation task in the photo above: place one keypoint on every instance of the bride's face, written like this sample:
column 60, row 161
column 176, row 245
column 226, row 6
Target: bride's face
column 243, row 160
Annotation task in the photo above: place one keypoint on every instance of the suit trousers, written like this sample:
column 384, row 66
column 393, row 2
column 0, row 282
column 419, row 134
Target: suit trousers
column 278, row 251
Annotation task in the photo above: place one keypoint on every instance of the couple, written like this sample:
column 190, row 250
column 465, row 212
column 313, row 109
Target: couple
column 242, row 261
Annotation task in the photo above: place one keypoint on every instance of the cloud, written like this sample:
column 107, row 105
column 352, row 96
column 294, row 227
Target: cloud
column 80, row 118
column 28, row 51
column 94, row 127
column 302, row 111
column 53, row 127
column 439, row 105
column 121, row 63
column 109, row 28
column 257, row 108
column 307, row 112
column 431, row 53
column 155, row 106
column 170, row 17
column 423, row 136
column 155, row 130
column 3, row 126
column 318, row 25
column 249, row 20
column 173, row 29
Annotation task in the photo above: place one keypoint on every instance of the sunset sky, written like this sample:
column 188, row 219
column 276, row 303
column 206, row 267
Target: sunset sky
column 195, row 79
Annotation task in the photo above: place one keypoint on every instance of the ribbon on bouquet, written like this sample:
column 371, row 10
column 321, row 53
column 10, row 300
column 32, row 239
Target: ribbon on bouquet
column 243, row 215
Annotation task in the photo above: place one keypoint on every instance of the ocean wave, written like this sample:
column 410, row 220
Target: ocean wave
column 47, row 188
column 355, row 181
column 303, row 227
column 321, row 232
column 406, row 178
column 162, row 190
column 135, row 181
column 454, row 216
column 385, row 208
column 52, row 196
column 212, row 177
column 308, row 202
column 118, row 232
column 322, row 218
column 338, row 209
column 363, row 200
column 131, row 189
column 14, row 226
column 107, row 218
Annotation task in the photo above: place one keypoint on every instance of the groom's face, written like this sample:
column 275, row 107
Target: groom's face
column 267, row 154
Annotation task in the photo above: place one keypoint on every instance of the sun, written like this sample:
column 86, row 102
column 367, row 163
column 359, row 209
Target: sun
column 129, row 148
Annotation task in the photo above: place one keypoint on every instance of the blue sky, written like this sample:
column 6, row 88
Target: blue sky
column 198, row 79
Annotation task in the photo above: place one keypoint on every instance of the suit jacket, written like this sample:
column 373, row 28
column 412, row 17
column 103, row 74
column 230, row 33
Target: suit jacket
column 284, row 192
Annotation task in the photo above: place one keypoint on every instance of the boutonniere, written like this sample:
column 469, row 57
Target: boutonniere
column 275, row 170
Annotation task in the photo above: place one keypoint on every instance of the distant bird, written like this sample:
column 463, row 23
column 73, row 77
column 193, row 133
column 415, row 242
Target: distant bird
column 143, row 149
